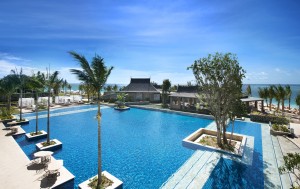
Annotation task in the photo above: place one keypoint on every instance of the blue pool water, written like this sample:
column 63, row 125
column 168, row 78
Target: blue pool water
column 142, row 148
column 59, row 110
column 231, row 174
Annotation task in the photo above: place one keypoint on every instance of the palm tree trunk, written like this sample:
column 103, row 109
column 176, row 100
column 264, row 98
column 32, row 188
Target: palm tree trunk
column 36, row 114
column 48, row 117
column 8, row 103
column 99, row 143
column 21, row 104
column 289, row 103
column 282, row 105
column 270, row 107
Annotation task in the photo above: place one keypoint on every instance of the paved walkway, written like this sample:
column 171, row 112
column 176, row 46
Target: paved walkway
column 15, row 172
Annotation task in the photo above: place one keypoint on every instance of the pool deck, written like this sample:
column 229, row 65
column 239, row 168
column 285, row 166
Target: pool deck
column 197, row 169
column 15, row 172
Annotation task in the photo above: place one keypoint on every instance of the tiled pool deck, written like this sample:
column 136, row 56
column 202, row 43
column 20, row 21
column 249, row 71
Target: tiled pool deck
column 196, row 170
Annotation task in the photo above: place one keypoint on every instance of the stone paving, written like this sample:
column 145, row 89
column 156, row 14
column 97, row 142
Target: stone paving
column 16, row 172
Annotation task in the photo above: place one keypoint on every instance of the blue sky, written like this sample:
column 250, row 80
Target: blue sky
column 157, row 39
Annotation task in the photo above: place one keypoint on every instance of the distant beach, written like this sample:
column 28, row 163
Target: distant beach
column 295, row 90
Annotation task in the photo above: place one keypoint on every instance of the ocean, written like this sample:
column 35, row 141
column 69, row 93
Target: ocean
column 295, row 91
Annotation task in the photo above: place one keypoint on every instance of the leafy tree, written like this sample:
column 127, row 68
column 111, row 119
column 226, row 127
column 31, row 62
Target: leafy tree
column 248, row 90
column 219, row 78
column 8, row 85
column 238, row 109
column 174, row 88
column 96, row 75
column 288, row 92
column 298, row 102
column 165, row 89
column 291, row 165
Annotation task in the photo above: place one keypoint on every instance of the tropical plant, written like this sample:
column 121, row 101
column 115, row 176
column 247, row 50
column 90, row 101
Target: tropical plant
column 165, row 89
column 291, row 165
column 248, row 90
column 281, row 95
column 50, row 83
column 108, row 88
column 64, row 85
column 115, row 88
column 21, row 80
column 288, row 93
column 8, row 85
column 271, row 95
column 95, row 74
column 70, row 88
column 219, row 78
column 121, row 99
column 298, row 102
column 38, row 85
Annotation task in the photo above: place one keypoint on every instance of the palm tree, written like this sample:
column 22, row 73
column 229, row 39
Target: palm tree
column 281, row 95
column 271, row 95
column 298, row 102
column 96, row 75
column 266, row 94
column 64, row 85
column 165, row 88
column 50, row 83
column 38, row 85
column 288, row 92
column 248, row 90
column 22, row 80
column 70, row 88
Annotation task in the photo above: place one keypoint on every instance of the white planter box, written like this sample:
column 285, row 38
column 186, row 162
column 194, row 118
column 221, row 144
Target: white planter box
column 26, row 121
column 192, row 141
column 43, row 135
column 117, row 184
column 58, row 145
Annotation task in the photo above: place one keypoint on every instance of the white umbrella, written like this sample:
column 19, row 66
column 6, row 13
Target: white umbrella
column 43, row 153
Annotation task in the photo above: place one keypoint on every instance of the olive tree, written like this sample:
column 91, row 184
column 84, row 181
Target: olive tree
column 219, row 78
column 291, row 165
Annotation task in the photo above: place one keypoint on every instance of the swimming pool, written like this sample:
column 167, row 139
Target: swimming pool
column 231, row 174
column 140, row 147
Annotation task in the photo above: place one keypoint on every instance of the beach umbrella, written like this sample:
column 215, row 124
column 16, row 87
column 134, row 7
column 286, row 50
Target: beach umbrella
column 43, row 153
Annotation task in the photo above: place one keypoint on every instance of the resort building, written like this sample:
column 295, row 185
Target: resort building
column 141, row 89
column 186, row 98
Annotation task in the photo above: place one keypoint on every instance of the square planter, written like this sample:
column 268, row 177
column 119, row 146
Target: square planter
column 56, row 146
column 117, row 184
column 8, row 120
column 26, row 121
column 192, row 142
column 35, row 137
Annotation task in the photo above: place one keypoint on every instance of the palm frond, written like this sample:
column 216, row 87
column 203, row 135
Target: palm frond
column 83, row 63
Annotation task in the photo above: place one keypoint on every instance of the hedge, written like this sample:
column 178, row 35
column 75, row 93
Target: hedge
column 266, row 118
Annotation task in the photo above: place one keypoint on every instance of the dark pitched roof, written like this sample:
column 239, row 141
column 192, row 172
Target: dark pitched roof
column 187, row 89
column 139, row 85
column 157, row 86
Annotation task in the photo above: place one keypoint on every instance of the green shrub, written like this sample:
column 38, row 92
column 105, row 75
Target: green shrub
column 5, row 114
column 266, row 118
column 278, row 127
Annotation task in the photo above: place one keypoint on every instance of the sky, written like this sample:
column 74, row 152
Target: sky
column 156, row 39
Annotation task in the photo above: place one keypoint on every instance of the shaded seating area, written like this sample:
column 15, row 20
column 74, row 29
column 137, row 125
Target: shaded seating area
column 252, row 103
